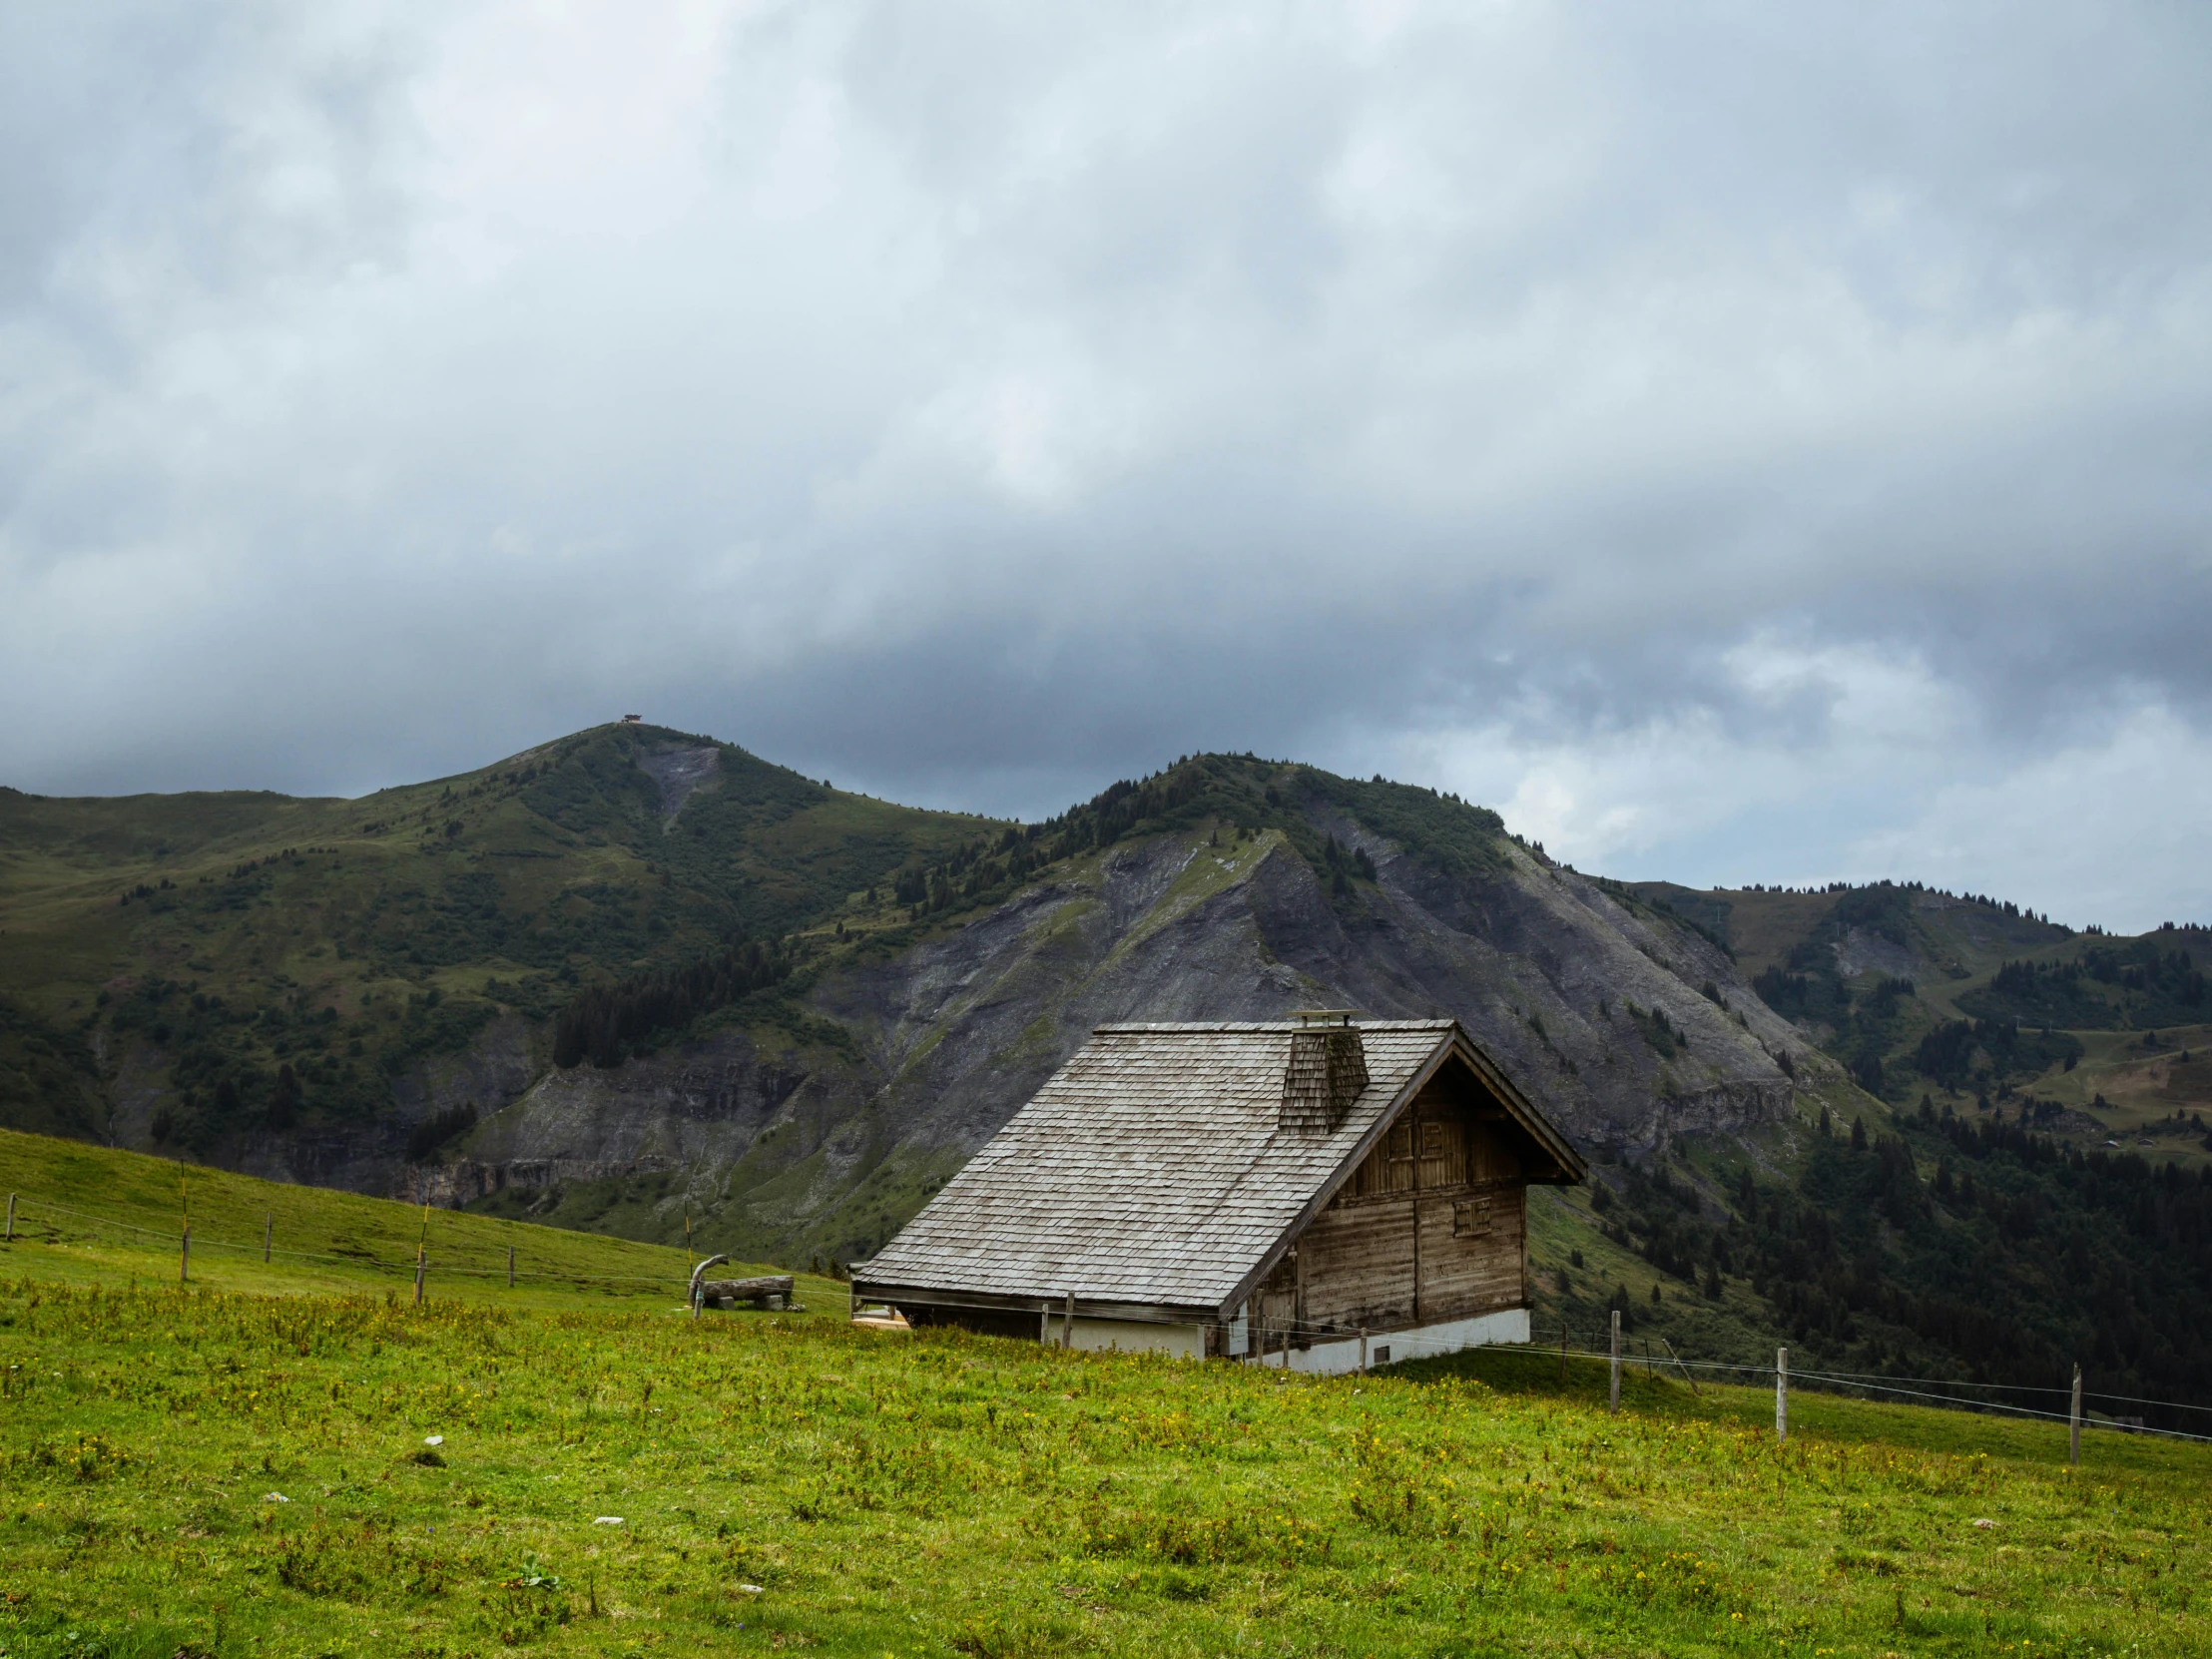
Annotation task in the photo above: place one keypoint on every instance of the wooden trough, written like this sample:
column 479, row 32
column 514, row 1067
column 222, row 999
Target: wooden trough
column 770, row 1292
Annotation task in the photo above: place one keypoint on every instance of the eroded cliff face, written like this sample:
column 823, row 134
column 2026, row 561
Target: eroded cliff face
column 820, row 1138
column 503, row 1061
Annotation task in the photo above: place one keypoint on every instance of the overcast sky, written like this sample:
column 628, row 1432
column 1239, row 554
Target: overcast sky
column 1742, row 444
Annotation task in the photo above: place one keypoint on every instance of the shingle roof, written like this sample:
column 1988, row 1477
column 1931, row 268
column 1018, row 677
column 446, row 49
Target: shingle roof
column 1151, row 1168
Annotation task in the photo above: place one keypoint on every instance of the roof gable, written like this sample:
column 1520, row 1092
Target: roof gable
column 1548, row 1158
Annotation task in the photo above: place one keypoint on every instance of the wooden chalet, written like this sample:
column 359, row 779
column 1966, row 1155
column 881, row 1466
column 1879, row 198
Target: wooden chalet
column 1319, row 1193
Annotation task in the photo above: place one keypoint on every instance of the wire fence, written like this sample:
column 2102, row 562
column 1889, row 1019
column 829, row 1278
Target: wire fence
column 27, row 1212
column 1949, row 1391
column 1268, row 1343
column 1264, row 1340
column 1866, row 1385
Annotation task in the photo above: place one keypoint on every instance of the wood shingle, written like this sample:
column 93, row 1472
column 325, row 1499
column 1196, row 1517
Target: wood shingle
column 1166, row 1170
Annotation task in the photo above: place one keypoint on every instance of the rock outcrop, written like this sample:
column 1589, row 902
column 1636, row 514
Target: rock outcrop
column 820, row 1135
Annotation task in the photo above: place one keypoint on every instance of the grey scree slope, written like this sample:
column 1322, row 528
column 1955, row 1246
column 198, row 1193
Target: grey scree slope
column 1149, row 1171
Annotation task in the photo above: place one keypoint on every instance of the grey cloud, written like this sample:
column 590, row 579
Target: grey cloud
column 978, row 404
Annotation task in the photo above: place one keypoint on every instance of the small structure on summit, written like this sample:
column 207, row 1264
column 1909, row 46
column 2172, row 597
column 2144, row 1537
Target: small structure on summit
column 633, row 720
column 1317, row 1193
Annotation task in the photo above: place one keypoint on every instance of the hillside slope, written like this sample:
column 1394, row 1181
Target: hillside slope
column 823, row 1129
column 302, row 986
column 633, row 955
column 635, row 979
column 215, row 1474
column 92, row 1214
column 1971, row 1001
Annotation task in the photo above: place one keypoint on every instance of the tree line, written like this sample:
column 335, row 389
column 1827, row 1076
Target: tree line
column 604, row 1022
column 1978, row 1249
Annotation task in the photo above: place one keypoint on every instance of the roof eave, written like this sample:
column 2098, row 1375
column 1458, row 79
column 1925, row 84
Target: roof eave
column 1008, row 1302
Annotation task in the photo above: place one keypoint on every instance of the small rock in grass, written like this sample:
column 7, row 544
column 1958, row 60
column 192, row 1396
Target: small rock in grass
column 434, row 1439
column 1985, row 1522
column 607, row 1520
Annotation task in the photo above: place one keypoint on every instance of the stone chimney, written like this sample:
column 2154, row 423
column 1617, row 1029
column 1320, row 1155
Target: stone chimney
column 1326, row 1071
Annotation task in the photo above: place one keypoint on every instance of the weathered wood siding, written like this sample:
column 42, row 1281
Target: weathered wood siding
column 1432, row 1226
column 1358, row 1265
column 1462, row 1275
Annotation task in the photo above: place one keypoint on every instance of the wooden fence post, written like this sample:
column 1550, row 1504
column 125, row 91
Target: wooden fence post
column 1614, row 1405
column 1563, row 1353
column 1067, row 1325
column 184, row 1256
column 421, row 1262
column 268, row 1233
column 11, row 1217
column 2073, row 1424
column 1780, row 1395
column 510, row 1267
column 1363, row 1350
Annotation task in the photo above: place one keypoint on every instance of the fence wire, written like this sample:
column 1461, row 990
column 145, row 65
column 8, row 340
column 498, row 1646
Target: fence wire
column 1263, row 1351
column 1261, row 1337
column 1818, row 1382
column 29, row 1214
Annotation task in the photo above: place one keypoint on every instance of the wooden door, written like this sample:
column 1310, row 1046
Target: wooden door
column 1275, row 1307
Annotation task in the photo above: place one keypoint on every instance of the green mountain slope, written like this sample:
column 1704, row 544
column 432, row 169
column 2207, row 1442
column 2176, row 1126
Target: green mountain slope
column 2023, row 1182
column 92, row 1214
column 48, row 1080
column 1921, row 1244
column 235, row 961
column 1971, row 999
column 642, row 983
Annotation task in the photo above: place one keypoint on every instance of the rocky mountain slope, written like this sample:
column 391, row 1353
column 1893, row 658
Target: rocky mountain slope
column 369, row 994
column 641, row 982
column 823, row 1133
column 637, row 976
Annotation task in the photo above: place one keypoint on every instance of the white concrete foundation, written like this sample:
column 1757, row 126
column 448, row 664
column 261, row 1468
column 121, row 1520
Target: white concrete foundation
column 1182, row 1341
column 1337, row 1356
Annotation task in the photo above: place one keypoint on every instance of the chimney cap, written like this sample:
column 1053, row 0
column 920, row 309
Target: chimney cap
column 1324, row 1016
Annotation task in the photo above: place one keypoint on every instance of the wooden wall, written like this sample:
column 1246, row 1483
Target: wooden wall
column 1432, row 1227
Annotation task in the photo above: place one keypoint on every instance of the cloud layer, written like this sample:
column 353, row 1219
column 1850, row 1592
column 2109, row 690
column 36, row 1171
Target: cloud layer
column 1743, row 445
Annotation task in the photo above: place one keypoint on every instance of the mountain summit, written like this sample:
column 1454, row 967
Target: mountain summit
column 636, row 953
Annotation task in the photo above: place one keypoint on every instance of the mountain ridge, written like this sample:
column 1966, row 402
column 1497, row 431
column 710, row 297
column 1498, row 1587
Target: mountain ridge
column 641, row 982
column 306, row 984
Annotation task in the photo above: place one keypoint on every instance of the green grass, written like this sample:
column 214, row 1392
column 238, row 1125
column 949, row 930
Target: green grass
column 224, row 1474
column 87, row 1215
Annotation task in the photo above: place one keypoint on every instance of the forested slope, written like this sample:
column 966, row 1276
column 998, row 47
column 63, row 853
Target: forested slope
column 638, row 981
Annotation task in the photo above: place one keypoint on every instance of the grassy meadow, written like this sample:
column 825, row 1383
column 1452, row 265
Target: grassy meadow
column 89, row 1214
column 284, row 1459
